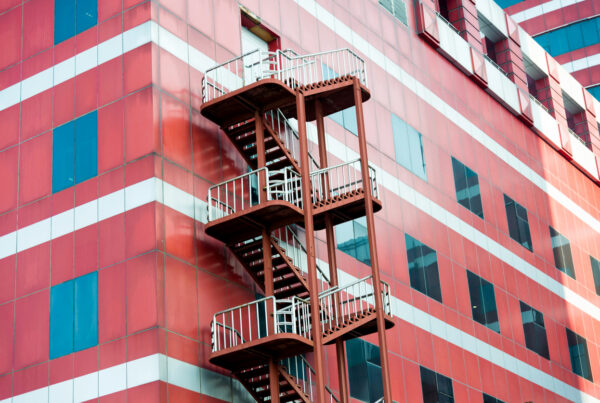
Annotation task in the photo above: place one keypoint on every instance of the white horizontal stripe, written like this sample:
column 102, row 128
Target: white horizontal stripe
column 153, row 368
column 155, row 189
column 583, row 63
column 542, row 9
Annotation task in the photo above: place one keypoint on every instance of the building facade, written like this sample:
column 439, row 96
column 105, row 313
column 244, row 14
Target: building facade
column 567, row 30
column 114, row 287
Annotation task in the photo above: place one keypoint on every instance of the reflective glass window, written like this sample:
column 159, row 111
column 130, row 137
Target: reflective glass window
column 352, row 238
column 437, row 388
column 596, row 273
column 423, row 268
column 563, row 260
column 408, row 145
column 490, row 399
column 518, row 223
column 364, row 370
column 466, row 183
column 580, row 360
column 347, row 117
column 483, row 301
column 571, row 37
column 535, row 331
column 72, row 17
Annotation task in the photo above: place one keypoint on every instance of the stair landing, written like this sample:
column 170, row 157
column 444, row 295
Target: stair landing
column 354, row 327
column 343, row 208
column 259, row 351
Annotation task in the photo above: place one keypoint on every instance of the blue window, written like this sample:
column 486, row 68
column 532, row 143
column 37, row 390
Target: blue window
column 595, row 91
column 490, row 399
column 596, row 273
column 423, row 268
column 75, row 152
column 72, row 17
column 571, row 37
column 466, row 183
column 437, row 388
column 364, row 370
column 352, row 238
column 534, row 330
column 580, row 359
column 347, row 117
column 74, row 315
column 507, row 3
column 483, row 301
column 561, row 248
column 408, row 144
column 397, row 8
column 518, row 223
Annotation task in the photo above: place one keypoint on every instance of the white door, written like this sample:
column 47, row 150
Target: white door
column 254, row 63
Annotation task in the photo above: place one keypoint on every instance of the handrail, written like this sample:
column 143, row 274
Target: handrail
column 304, row 375
column 447, row 22
column 245, row 191
column 247, row 322
column 340, row 179
column 537, row 101
column 493, row 63
column 582, row 141
column 342, row 304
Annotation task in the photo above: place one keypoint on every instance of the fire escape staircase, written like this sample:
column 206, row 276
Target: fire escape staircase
column 258, row 90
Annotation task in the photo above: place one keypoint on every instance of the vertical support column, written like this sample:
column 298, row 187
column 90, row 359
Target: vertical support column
column 261, row 157
column 509, row 55
column 463, row 15
column 331, row 246
column 364, row 166
column 313, row 290
column 586, row 124
column 550, row 92
column 269, row 292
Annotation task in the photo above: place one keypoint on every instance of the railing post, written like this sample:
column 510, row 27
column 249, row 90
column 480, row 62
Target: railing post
column 364, row 165
column 261, row 158
column 331, row 247
column 310, row 249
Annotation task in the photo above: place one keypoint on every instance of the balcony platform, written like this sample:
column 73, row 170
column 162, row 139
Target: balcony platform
column 259, row 351
column 346, row 207
column 357, row 328
column 249, row 223
column 335, row 95
column 240, row 105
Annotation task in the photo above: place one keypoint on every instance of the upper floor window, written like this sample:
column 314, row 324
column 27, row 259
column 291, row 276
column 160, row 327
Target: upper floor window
column 75, row 152
column 408, row 144
column 466, row 183
column 518, row 224
column 490, row 399
column 571, row 37
column 353, row 239
column 72, row 17
column 483, row 301
column 596, row 273
column 535, row 331
column 423, row 268
column 347, row 117
column 580, row 360
column 364, row 370
column 436, row 387
column 563, row 260
column 397, row 8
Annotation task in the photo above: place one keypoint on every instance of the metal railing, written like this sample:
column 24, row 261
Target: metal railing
column 537, row 101
column 244, row 323
column 245, row 191
column 305, row 377
column 444, row 20
column 286, row 65
column 331, row 182
column 239, row 72
column 294, row 249
column 339, row 305
column 493, row 63
column 288, row 135
column 299, row 70
column 577, row 136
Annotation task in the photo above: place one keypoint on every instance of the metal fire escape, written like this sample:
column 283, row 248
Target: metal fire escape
column 262, row 101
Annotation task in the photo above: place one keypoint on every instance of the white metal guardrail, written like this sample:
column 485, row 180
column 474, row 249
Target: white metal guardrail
column 340, row 305
column 305, row 377
column 295, row 250
column 293, row 69
column 332, row 182
column 245, row 191
column 244, row 323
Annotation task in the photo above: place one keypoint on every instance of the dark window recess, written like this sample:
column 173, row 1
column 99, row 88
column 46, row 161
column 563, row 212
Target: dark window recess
column 490, row 399
column 518, row 224
column 466, row 183
column 563, row 260
column 364, row 370
column 535, row 332
column 352, row 238
column 437, row 388
column 490, row 49
column 423, row 268
column 397, row 8
column 483, row 301
column 596, row 273
column 580, row 360
column 408, row 144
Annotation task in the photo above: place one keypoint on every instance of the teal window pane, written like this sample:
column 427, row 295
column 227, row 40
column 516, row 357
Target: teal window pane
column 437, row 388
column 61, row 320
column 86, row 147
column 86, row 15
column 507, row 3
column 466, row 183
column 561, row 248
column 347, row 117
column 63, row 157
column 578, row 351
column 64, row 20
column 86, row 311
column 483, row 301
column 423, row 268
column 352, row 238
column 364, row 370
column 596, row 273
column 408, row 146
column 518, row 223
column 534, row 330
column 571, row 37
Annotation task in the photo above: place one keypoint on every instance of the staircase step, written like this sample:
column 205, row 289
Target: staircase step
column 283, row 388
column 254, row 372
column 241, row 129
column 243, row 248
column 290, row 292
column 286, row 281
column 269, row 143
column 290, row 398
column 283, row 163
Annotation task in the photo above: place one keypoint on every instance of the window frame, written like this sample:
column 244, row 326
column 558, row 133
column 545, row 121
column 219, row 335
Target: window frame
column 474, row 280
column 521, row 220
column 580, row 341
column 467, row 173
column 563, row 256
column 537, row 322
column 426, row 273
